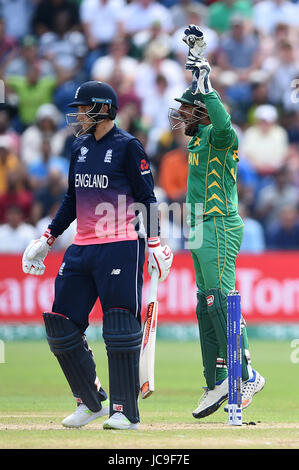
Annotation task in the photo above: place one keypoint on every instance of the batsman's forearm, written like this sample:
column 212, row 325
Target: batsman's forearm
column 65, row 215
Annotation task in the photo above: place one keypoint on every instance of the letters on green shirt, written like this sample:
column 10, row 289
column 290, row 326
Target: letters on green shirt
column 213, row 158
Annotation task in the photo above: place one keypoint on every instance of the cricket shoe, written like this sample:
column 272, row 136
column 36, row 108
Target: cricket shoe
column 250, row 388
column 83, row 415
column 211, row 400
column 119, row 421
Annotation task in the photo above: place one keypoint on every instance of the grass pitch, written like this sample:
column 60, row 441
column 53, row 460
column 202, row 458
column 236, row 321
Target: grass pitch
column 34, row 398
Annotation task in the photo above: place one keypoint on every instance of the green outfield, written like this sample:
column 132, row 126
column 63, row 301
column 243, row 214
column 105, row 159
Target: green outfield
column 34, row 398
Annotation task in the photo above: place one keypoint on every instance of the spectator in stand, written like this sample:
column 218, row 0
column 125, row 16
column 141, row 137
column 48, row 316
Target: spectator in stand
column 282, row 69
column 155, row 109
column 50, row 194
column 265, row 143
column 173, row 170
column 17, row 15
column 220, row 13
column 29, row 56
column 247, row 183
column 9, row 162
column 18, row 194
column 38, row 171
column 239, row 49
column 105, row 13
column 140, row 40
column 293, row 160
column 64, row 47
column 118, row 60
column 156, row 62
column 269, row 43
column 259, row 95
column 290, row 122
column 194, row 15
column 64, row 93
column 32, row 90
column 253, row 236
column 15, row 234
column 8, row 44
column 6, row 129
column 129, row 114
column 45, row 15
column 285, row 235
column 25, row 58
column 181, row 11
column 139, row 15
column 279, row 193
column 267, row 14
column 46, row 126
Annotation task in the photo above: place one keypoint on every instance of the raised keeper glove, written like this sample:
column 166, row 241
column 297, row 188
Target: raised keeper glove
column 159, row 257
column 198, row 65
column 195, row 41
column 35, row 253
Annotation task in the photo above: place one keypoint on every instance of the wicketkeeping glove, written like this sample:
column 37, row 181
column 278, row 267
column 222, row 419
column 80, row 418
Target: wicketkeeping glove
column 195, row 41
column 201, row 76
column 198, row 65
column 159, row 257
column 35, row 253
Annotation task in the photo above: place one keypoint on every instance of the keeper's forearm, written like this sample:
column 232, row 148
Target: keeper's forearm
column 218, row 115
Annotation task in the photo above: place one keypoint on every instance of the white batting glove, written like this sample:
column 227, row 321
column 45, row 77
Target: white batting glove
column 159, row 258
column 35, row 253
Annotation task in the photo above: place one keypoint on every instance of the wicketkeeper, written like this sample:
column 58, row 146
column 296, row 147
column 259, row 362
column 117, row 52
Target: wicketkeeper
column 216, row 228
column 109, row 174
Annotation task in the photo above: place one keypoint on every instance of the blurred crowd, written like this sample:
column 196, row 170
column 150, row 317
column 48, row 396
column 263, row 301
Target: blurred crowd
column 49, row 47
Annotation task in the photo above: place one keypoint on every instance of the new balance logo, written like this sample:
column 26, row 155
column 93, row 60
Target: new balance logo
column 108, row 156
column 82, row 157
column 115, row 272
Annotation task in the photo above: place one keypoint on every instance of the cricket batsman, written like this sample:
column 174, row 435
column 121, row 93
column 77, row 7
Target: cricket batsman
column 214, row 222
column 111, row 194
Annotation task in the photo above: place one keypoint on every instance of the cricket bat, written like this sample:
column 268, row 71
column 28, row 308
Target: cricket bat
column 148, row 345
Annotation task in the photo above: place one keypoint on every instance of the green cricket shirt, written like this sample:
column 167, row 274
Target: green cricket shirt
column 213, row 158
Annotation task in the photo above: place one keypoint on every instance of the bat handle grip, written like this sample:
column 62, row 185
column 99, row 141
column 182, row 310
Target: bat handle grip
column 154, row 286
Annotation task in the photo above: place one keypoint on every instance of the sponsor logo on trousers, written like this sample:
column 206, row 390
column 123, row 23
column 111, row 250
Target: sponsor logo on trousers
column 117, row 407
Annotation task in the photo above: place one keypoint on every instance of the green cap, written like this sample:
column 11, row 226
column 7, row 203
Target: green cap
column 188, row 98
